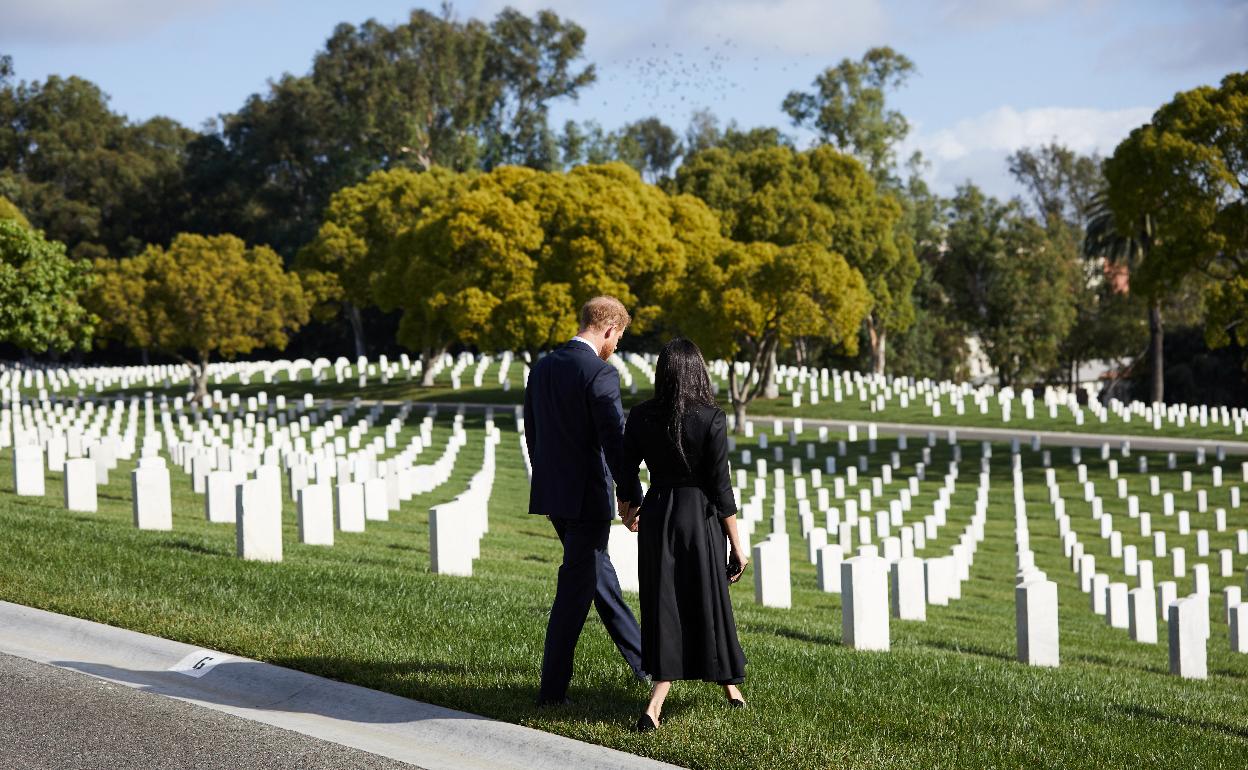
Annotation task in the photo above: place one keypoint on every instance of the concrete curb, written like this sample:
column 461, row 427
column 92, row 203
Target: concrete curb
column 399, row 728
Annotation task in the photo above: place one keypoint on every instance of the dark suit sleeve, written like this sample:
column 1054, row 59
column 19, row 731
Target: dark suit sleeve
column 720, row 481
column 632, row 446
column 528, row 416
column 608, row 415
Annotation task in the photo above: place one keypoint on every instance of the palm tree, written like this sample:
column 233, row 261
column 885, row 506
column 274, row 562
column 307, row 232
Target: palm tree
column 1129, row 247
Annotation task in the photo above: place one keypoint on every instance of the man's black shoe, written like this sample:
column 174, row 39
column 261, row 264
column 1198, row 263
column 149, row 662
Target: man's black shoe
column 549, row 702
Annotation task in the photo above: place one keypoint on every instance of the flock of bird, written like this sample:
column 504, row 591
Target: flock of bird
column 667, row 82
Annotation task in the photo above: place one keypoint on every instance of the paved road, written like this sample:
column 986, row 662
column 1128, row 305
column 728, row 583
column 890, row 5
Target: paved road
column 51, row 718
column 289, row 714
column 964, row 432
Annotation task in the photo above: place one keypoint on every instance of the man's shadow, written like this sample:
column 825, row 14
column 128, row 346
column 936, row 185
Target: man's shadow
column 286, row 687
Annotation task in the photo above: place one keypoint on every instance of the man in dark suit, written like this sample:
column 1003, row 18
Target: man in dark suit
column 574, row 427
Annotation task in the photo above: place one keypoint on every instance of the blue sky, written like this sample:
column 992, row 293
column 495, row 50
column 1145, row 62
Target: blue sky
column 992, row 76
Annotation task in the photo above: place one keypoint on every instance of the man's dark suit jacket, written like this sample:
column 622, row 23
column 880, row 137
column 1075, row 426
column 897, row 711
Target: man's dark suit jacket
column 574, row 427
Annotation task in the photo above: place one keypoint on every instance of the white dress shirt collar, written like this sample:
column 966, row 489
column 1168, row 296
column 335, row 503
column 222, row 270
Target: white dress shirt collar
column 587, row 342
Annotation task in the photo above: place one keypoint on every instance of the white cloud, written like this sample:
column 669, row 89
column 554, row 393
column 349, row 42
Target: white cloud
column 976, row 148
column 989, row 12
column 774, row 27
column 794, row 27
column 1214, row 36
column 87, row 21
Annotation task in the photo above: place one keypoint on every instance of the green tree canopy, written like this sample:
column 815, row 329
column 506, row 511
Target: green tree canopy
column 40, row 291
column 361, row 225
column 201, row 297
column 1009, row 286
column 847, row 108
column 505, row 262
column 85, row 175
column 429, row 91
column 781, row 196
column 1185, row 173
column 12, row 213
column 742, row 301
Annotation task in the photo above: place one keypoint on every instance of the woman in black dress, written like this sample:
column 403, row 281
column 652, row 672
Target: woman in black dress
column 684, row 568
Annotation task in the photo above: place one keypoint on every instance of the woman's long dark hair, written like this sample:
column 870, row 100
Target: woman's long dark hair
column 680, row 383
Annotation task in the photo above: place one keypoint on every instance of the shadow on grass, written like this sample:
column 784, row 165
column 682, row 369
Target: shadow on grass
column 1141, row 712
column 966, row 649
column 327, row 686
column 187, row 545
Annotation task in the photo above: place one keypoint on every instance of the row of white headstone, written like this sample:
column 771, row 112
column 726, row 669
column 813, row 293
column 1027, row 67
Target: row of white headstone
column 366, row 490
column 1138, row 609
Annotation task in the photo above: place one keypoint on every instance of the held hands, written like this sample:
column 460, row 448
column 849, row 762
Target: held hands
column 629, row 513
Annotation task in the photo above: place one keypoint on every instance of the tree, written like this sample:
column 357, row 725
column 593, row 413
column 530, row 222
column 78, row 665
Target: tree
column 201, row 297
column 40, row 291
column 1062, row 183
column 785, row 197
column 847, row 108
column 361, row 226
column 745, row 301
column 658, row 147
column 1127, row 247
column 430, row 91
column 460, row 268
column 1009, row 287
column 1179, row 183
column 935, row 344
column 12, row 213
column 85, row 175
column 1065, row 188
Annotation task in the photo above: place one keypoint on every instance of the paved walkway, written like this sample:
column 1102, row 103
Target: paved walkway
column 151, row 702
column 964, row 432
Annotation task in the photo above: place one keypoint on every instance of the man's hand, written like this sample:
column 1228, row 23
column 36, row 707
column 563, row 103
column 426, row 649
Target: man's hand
column 633, row 518
column 622, row 507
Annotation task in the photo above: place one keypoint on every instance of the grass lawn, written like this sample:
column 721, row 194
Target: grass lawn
column 949, row 694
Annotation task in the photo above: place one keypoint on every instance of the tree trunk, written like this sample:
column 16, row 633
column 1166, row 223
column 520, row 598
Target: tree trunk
column 1155, row 343
column 145, row 358
column 771, row 389
column 738, row 414
column 357, row 327
column 878, row 338
column 199, row 374
column 427, row 357
column 736, row 396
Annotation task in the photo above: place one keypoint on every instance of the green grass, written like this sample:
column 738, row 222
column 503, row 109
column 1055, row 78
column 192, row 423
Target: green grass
column 948, row 694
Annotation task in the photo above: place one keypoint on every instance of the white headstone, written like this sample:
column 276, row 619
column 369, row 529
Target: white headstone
column 221, row 501
column 28, row 470
column 315, row 508
column 622, row 548
column 772, row 586
column 1188, row 651
column 152, row 505
column 349, row 506
column 1142, row 615
column 259, row 532
column 907, row 591
column 864, row 603
column 79, row 482
column 1035, row 614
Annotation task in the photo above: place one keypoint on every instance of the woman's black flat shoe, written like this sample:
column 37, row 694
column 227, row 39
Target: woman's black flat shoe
column 736, row 703
column 645, row 724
